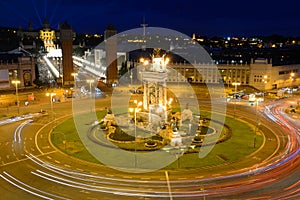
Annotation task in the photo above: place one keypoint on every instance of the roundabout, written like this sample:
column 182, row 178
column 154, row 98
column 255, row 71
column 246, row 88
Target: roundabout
column 58, row 175
column 152, row 145
column 102, row 136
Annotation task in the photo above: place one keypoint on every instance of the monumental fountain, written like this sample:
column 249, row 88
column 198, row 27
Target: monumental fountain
column 150, row 122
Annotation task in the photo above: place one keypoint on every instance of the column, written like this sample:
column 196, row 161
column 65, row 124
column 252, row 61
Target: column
column 227, row 72
column 156, row 93
column 146, row 95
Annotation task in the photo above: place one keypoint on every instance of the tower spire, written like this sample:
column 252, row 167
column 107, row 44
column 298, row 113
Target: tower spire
column 144, row 25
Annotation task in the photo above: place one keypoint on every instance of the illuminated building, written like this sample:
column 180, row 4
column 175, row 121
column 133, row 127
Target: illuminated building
column 47, row 35
column 66, row 38
column 17, row 64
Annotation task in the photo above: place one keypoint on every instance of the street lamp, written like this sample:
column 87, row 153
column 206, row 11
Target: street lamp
column 16, row 82
column 131, row 77
column 235, row 84
column 74, row 74
column 135, row 110
column 51, row 95
column 265, row 80
column 257, row 120
column 90, row 81
column 292, row 78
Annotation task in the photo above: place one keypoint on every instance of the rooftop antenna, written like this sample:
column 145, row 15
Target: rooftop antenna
column 144, row 25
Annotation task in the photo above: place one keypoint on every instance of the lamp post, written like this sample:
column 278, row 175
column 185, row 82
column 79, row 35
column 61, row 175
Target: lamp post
column 90, row 81
column 235, row 84
column 135, row 110
column 257, row 120
column 16, row 82
column 292, row 78
column 74, row 74
column 265, row 80
column 51, row 95
column 131, row 77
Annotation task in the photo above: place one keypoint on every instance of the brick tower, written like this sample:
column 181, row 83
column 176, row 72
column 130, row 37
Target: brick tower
column 66, row 38
column 111, row 55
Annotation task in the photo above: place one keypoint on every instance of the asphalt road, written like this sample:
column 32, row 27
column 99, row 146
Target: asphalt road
column 31, row 168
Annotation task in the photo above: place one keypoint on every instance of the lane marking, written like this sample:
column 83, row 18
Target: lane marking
column 168, row 183
column 24, row 159
column 33, row 190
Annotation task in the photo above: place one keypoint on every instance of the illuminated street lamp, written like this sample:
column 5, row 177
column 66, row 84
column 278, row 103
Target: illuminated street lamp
column 90, row 81
column 265, row 81
column 51, row 95
column 16, row 82
column 292, row 74
column 135, row 110
column 235, row 84
column 131, row 77
column 257, row 120
column 74, row 74
column 292, row 78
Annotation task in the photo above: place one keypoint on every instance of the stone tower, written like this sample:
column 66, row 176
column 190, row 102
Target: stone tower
column 111, row 55
column 66, row 38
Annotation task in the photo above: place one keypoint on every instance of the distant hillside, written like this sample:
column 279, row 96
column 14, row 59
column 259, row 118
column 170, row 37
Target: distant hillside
column 8, row 39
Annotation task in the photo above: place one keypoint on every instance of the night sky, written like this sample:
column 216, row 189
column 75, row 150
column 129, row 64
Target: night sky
column 209, row 18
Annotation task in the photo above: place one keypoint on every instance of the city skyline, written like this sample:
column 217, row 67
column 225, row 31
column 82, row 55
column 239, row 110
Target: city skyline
column 203, row 18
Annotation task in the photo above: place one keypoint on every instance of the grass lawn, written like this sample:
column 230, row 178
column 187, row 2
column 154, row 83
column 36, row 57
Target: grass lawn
column 65, row 138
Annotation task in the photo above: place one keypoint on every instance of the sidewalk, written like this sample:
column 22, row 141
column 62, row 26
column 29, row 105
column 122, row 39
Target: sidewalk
column 41, row 101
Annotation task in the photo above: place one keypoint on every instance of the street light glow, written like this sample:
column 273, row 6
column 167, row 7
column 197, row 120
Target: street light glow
column 90, row 81
column 135, row 110
column 51, row 104
column 16, row 82
column 236, row 84
column 74, row 74
column 146, row 62
column 50, row 94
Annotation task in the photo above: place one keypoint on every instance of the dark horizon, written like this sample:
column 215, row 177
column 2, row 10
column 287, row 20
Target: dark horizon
column 221, row 19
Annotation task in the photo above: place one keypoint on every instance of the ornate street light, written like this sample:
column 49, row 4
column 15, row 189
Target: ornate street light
column 16, row 82
column 51, row 95
column 135, row 110
column 235, row 84
column 90, row 81
column 292, row 78
column 74, row 74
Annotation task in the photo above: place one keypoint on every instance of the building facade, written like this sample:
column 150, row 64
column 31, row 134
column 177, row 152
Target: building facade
column 260, row 73
column 17, row 65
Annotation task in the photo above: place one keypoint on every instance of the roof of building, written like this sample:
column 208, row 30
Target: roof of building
column 65, row 25
column 18, row 51
column 111, row 27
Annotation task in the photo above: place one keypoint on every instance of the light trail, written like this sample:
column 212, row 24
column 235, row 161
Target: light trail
column 18, row 131
column 27, row 188
column 265, row 175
